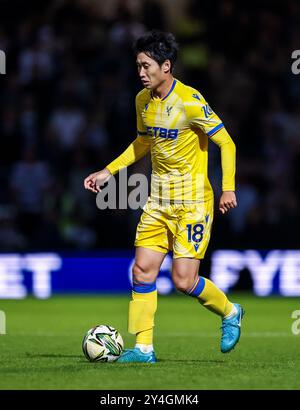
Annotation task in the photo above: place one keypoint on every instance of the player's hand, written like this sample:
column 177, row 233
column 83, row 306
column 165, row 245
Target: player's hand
column 227, row 201
column 94, row 181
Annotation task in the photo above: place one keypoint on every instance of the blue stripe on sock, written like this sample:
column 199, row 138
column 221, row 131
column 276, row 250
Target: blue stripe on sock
column 199, row 288
column 142, row 287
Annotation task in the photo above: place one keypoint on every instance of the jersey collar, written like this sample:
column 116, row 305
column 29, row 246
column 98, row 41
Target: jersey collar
column 166, row 96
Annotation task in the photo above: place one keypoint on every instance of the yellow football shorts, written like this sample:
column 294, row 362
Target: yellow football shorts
column 183, row 228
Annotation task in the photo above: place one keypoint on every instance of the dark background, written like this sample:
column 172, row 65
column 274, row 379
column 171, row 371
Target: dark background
column 67, row 109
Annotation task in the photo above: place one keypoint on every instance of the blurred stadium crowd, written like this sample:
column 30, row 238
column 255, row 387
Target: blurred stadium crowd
column 67, row 109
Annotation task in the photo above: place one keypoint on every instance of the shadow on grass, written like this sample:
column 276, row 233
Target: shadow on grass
column 83, row 360
column 191, row 361
column 166, row 362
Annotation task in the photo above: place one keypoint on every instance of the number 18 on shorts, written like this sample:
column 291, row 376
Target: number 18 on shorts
column 183, row 228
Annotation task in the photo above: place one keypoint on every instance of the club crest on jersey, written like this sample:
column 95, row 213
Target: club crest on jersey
column 169, row 110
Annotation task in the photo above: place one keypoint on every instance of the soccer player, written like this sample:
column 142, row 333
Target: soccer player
column 174, row 123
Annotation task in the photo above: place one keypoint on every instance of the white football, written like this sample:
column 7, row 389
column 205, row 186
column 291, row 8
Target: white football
column 102, row 343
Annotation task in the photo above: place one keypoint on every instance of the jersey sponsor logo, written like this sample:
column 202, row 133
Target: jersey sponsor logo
column 169, row 110
column 207, row 110
column 162, row 132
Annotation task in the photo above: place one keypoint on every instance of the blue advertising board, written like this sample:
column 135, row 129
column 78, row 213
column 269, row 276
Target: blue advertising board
column 45, row 274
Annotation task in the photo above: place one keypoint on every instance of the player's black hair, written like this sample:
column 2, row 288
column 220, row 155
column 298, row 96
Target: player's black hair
column 158, row 45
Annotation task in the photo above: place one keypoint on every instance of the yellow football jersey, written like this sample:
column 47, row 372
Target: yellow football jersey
column 177, row 127
column 176, row 130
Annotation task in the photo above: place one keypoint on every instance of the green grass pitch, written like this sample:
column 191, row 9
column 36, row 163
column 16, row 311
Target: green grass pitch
column 42, row 347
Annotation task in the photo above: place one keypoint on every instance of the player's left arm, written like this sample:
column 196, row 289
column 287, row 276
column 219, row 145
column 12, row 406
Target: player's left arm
column 228, row 160
column 200, row 115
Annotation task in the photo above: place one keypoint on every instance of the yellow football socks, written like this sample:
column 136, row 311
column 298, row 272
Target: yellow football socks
column 214, row 299
column 142, row 309
column 143, row 306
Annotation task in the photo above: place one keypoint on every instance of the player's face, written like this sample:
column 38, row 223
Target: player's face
column 150, row 72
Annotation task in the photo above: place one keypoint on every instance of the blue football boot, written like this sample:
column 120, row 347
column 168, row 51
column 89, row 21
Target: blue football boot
column 231, row 330
column 136, row 356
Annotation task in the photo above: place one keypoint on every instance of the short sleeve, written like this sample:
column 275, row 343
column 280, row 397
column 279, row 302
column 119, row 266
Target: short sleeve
column 200, row 115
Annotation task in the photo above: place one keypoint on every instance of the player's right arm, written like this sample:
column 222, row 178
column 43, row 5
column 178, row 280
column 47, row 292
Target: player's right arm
column 136, row 150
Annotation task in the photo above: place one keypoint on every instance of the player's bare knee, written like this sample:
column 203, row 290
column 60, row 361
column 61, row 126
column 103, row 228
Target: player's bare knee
column 183, row 280
column 137, row 272
column 182, row 286
column 141, row 273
